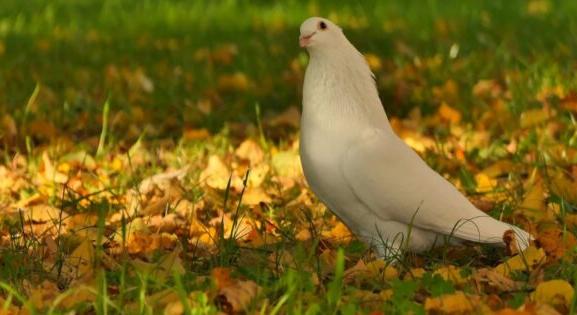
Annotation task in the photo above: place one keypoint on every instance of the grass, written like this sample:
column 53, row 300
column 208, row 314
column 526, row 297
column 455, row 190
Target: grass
column 97, row 96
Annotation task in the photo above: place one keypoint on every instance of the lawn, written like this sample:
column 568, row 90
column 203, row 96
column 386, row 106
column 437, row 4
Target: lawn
column 149, row 156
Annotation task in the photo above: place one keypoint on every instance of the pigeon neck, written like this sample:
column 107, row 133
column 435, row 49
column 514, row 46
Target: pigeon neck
column 340, row 86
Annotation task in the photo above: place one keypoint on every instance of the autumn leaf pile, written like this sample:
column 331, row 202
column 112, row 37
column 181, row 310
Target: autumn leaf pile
column 161, row 175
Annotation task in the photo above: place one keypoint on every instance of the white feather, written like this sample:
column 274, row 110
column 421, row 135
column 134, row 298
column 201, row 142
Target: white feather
column 362, row 171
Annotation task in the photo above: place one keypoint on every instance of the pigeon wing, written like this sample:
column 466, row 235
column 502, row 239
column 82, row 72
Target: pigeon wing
column 396, row 184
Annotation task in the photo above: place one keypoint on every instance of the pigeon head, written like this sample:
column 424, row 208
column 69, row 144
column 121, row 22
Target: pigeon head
column 319, row 33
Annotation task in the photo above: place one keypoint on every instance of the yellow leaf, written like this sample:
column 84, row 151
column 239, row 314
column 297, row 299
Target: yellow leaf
column 449, row 114
column 452, row 274
column 415, row 273
column 233, row 82
column 485, row 88
column 257, row 175
column 49, row 173
column 338, row 233
column 374, row 62
column 254, row 196
column 42, row 296
column 456, row 303
column 498, row 168
column 533, row 117
column 250, row 150
column 533, row 205
column 195, row 134
column 484, row 182
column 554, row 292
column 44, row 213
column 216, row 174
column 287, row 164
column 80, row 263
column 528, row 259
column 538, row 7
column 79, row 294
column 564, row 187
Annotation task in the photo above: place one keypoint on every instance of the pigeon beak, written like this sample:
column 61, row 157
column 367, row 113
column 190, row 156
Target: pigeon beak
column 305, row 40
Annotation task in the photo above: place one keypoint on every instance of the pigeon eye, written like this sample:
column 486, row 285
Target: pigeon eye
column 323, row 25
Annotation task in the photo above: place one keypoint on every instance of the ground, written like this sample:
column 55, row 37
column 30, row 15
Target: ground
column 149, row 156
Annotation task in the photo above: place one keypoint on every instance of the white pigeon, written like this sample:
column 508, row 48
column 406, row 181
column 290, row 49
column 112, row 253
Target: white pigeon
column 361, row 170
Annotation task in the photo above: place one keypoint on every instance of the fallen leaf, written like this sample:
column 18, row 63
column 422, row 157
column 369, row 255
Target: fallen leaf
column 339, row 233
column 250, row 150
column 195, row 134
column 452, row 274
column 533, row 204
column 554, row 292
column 526, row 260
column 456, row 303
column 374, row 62
column 237, row 296
column 233, row 82
column 534, row 117
column 254, row 196
column 41, row 296
column 216, row 174
column 498, row 282
column 376, row 269
column 556, row 243
column 449, row 114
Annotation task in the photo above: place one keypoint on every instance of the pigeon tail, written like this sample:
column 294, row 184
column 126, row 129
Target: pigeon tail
column 488, row 230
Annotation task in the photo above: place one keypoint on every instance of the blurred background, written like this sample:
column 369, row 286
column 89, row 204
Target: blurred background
column 168, row 69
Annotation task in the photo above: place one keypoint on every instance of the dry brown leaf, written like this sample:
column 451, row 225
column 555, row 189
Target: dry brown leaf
column 166, row 181
column 43, row 295
column 143, row 242
column 556, row 243
column 44, row 213
column 78, row 294
column 164, row 269
column 290, row 117
column 564, row 187
column 495, row 280
column 511, row 244
column 376, row 269
column 196, row 134
column 237, row 296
